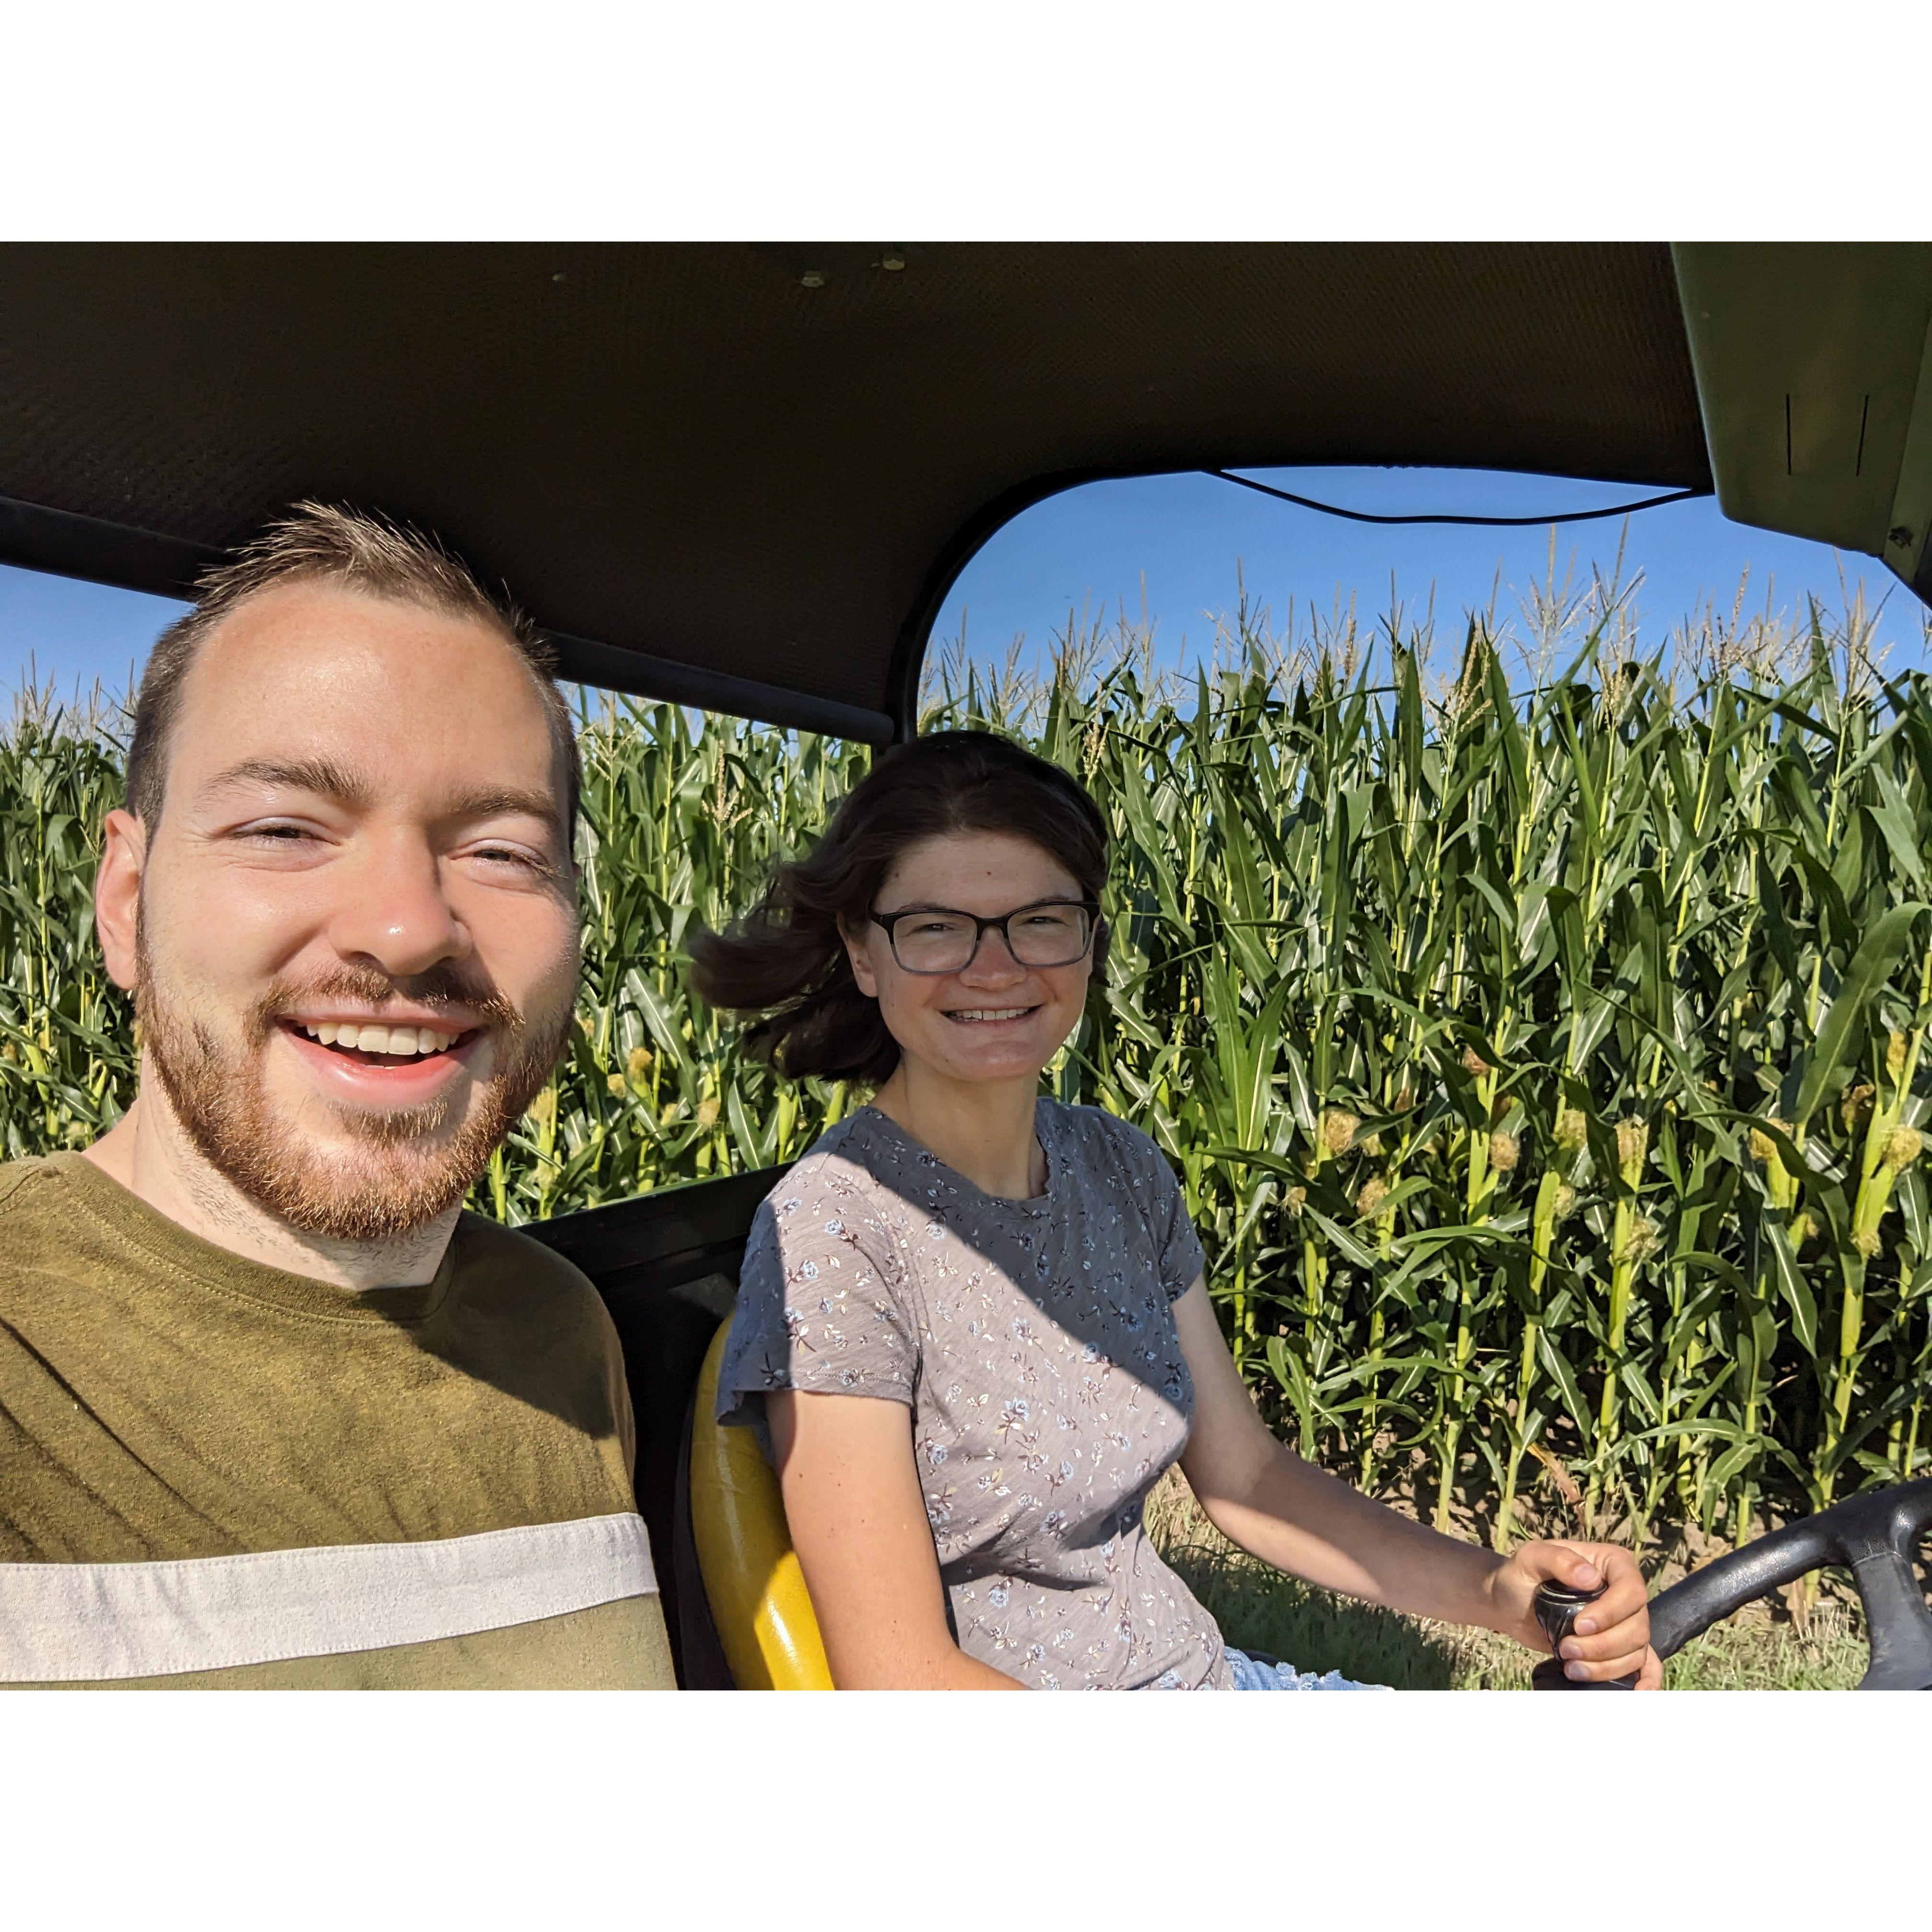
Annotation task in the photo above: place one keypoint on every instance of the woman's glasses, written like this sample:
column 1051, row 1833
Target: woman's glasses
column 936, row 939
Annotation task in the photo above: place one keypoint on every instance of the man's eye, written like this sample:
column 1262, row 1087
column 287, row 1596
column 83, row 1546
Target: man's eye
column 509, row 855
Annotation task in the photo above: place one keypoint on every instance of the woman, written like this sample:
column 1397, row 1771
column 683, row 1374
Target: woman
column 973, row 1321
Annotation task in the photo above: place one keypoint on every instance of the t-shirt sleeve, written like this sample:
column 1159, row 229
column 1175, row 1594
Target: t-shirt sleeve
column 1157, row 1191
column 817, row 1309
column 1182, row 1259
column 624, row 1416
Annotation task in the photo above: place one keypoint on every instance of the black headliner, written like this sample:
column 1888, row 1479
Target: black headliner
column 715, row 473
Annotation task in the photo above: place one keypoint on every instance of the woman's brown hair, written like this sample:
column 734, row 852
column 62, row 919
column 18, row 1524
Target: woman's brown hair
column 785, row 959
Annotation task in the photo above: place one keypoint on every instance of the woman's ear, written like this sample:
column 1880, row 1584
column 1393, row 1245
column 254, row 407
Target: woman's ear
column 866, row 979
column 1103, row 935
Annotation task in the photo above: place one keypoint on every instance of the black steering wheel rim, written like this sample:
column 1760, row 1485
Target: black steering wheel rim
column 1875, row 1535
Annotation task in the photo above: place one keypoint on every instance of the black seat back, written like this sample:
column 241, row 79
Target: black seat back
column 667, row 1266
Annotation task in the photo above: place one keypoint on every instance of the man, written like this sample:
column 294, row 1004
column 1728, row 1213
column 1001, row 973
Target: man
column 274, row 1410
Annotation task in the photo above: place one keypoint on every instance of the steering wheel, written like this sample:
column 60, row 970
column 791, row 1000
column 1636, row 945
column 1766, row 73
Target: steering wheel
column 1875, row 1535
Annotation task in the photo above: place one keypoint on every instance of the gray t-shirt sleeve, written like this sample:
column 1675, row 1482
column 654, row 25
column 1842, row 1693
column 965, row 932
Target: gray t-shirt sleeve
column 1156, row 1191
column 817, row 1309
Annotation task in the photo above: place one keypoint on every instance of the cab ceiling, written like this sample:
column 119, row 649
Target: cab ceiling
column 745, row 475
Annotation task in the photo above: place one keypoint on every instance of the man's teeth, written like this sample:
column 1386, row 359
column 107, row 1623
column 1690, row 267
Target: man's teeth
column 383, row 1038
column 990, row 1013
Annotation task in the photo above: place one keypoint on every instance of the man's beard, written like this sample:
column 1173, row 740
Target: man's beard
column 402, row 1179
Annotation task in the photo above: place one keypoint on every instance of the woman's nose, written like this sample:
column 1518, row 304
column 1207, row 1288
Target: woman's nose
column 992, row 960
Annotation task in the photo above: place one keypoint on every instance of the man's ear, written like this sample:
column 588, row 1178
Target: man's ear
column 117, row 895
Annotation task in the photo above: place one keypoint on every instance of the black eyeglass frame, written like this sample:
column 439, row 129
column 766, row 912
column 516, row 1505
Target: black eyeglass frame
column 888, row 920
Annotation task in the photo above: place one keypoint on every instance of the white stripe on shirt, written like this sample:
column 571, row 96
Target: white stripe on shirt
column 90, row 1622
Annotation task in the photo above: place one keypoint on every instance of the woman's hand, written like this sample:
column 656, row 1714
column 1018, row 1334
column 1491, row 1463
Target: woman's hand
column 1610, row 1638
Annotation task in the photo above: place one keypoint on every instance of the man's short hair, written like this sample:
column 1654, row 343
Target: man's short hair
column 323, row 543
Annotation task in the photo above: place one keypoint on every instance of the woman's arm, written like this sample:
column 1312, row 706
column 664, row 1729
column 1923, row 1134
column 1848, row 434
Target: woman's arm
column 858, row 1522
column 1262, row 1495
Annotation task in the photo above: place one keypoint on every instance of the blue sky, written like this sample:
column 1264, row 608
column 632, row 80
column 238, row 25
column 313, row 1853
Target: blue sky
column 1181, row 539
column 1090, row 549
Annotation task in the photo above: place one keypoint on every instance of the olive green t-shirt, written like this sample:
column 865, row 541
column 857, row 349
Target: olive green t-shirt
column 213, row 1472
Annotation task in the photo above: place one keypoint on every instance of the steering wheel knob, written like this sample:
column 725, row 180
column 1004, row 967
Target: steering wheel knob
column 1557, row 1607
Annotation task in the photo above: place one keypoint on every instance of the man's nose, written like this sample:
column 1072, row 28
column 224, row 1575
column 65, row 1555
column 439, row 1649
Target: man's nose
column 396, row 913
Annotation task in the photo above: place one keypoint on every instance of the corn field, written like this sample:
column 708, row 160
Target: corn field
column 1539, row 1036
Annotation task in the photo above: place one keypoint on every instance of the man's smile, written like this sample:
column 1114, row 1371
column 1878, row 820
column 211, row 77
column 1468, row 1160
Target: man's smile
column 374, row 1063
column 372, row 1037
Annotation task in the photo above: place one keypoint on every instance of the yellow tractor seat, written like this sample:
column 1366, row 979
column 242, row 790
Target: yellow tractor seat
column 760, row 1606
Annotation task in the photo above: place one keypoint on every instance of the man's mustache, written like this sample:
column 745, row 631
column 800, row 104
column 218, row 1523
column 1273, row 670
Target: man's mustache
column 439, row 988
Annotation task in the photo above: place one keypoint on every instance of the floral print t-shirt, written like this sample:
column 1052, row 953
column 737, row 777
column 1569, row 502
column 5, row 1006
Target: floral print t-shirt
column 1034, row 1343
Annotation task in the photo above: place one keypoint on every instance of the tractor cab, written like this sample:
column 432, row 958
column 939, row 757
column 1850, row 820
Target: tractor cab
column 743, row 477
